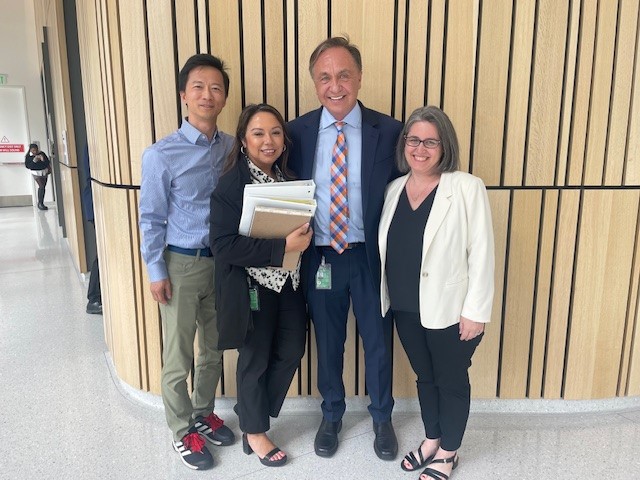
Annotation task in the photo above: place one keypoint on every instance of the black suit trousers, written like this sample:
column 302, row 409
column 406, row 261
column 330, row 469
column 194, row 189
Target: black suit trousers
column 270, row 356
column 441, row 361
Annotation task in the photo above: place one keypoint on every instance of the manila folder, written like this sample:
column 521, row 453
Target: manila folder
column 273, row 222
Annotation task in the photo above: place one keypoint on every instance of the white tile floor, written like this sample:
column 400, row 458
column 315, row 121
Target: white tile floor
column 65, row 415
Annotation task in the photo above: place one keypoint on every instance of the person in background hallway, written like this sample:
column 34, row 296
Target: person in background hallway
column 179, row 173
column 348, row 150
column 437, row 253
column 94, row 295
column 40, row 166
column 270, row 329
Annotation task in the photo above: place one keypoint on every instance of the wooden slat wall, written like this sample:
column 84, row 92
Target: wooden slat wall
column 545, row 97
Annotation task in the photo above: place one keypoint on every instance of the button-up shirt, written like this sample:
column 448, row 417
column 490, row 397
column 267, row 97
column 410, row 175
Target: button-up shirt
column 327, row 135
column 179, row 173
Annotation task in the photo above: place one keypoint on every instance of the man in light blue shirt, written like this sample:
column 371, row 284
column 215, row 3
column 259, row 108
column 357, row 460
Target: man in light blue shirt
column 179, row 174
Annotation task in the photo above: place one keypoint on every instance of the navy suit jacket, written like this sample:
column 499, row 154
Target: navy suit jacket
column 379, row 137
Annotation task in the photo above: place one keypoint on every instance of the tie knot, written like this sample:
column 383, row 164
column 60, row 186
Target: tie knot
column 339, row 126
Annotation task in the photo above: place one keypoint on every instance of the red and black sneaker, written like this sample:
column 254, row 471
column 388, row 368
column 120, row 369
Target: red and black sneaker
column 193, row 452
column 213, row 429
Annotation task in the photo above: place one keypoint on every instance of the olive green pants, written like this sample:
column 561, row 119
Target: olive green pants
column 190, row 309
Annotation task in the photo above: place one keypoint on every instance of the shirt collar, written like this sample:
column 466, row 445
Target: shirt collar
column 261, row 176
column 192, row 134
column 353, row 118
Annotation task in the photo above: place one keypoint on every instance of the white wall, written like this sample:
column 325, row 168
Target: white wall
column 19, row 59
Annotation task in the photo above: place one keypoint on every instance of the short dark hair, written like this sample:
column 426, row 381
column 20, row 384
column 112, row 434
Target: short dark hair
column 450, row 161
column 335, row 42
column 34, row 145
column 241, row 132
column 202, row 60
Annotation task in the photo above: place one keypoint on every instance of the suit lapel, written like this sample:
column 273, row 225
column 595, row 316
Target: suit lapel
column 308, row 141
column 370, row 135
column 441, row 204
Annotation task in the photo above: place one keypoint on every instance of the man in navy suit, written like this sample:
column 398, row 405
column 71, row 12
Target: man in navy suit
column 334, row 276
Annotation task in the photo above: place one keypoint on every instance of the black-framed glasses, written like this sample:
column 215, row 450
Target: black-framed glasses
column 415, row 141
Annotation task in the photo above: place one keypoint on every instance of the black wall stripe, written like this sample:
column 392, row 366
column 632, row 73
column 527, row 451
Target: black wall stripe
column 593, row 68
column 196, row 19
column 444, row 53
column 507, row 101
column 474, row 100
column 285, row 41
column 243, row 95
column 394, row 60
column 149, row 78
column 176, row 61
column 263, row 31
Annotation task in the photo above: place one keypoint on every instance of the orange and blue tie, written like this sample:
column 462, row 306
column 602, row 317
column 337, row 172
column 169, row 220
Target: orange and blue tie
column 339, row 207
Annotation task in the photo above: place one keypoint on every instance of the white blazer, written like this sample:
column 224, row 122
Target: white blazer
column 456, row 277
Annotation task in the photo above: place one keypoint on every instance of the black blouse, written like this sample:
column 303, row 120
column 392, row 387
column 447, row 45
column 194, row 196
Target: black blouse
column 404, row 252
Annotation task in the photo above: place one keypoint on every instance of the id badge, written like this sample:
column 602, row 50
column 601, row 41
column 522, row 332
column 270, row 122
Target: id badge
column 323, row 276
column 254, row 300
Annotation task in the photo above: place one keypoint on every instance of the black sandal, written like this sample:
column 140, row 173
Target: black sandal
column 266, row 460
column 430, row 472
column 416, row 463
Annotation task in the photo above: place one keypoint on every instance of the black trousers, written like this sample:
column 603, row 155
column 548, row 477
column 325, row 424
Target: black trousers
column 270, row 356
column 42, row 183
column 93, row 292
column 441, row 361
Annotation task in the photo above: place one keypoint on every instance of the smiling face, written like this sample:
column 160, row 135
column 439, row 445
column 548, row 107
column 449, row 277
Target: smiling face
column 264, row 140
column 423, row 160
column 337, row 79
column 204, row 96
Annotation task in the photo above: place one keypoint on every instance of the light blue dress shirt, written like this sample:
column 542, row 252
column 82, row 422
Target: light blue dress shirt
column 179, row 173
column 327, row 135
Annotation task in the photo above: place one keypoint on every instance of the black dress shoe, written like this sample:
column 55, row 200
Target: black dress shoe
column 94, row 307
column 386, row 443
column 326, row 442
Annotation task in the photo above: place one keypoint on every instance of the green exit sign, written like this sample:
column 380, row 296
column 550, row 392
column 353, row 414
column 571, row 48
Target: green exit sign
column 3, row 79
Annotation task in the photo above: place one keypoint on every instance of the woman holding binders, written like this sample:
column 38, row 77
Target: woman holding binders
column 260, row 307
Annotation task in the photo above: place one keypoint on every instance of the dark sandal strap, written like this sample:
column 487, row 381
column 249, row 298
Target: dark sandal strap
column 444, row 460
column 270, row 455
column 413, row 461
column 430, row 472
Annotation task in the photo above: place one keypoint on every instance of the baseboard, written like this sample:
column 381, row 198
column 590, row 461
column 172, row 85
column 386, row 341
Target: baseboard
column 16, row 201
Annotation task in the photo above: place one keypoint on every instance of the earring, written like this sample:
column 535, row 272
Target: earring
column 284, row 149
column 242, row 151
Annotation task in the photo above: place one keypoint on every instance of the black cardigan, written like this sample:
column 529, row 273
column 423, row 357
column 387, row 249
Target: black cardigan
column 31, row 164
column 234, row 252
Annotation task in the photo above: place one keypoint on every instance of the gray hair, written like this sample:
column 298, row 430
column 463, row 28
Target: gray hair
column 450, row 161
column 335, row 42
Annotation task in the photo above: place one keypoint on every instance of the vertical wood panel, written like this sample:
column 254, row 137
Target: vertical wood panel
column 163, row 86
column 632, row 165
column 621, row 99
column 252, row 60
column 518, row 94
column 225, row 43
column 436, row 52
column 582, row 92
column 605, row 253
column 543, row 293
column 136, row 87
column 374, row 37
column 569, row 85
column 462, row 26
column 601, row 92
column 523, row 241
column 546, row 92
column 274, row 52
column 313, row 23
column 566, row 227
column 493, row 65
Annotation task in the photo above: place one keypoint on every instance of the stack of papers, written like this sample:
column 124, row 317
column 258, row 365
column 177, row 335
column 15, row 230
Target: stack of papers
column 274, row 210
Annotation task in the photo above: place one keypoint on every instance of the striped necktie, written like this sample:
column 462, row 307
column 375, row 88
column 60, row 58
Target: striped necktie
column 339, row 207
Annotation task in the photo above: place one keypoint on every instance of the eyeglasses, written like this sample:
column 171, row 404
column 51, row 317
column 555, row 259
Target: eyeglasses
column 415, row 141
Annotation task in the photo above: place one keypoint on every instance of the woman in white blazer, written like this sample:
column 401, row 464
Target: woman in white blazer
column 436, row 247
